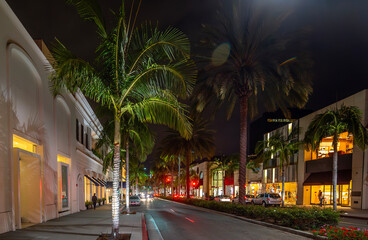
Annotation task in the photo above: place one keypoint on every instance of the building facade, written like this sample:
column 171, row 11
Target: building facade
column 311, row 171
column 47, row 167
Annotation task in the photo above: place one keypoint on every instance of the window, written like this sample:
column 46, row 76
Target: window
column 82, row 133
column 88, row 138
column 64, row 186
column 77, row 129
column 201, row 175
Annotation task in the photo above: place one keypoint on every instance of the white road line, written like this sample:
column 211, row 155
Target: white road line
column 153, row 231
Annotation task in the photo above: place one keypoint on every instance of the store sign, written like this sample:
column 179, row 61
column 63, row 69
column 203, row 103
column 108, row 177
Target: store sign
column 280, row 120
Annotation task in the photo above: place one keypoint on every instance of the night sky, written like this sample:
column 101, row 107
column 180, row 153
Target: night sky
column 337, row 40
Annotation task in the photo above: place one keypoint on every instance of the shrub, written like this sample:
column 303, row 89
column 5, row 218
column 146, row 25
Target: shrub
column 332, row 232
column 295, row 217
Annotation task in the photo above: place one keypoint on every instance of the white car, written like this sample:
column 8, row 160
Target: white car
column 223, row 198
column 134, row 201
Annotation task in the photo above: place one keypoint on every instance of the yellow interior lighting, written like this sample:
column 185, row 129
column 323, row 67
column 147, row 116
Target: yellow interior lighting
column 63, row 159
column 21, row 143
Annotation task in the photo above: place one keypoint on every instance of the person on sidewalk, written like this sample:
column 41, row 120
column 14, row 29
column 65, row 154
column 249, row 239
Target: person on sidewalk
column 320, row 197
column 94, row 200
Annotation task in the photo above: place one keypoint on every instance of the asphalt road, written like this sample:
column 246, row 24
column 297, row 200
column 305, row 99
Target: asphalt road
column 176, row 222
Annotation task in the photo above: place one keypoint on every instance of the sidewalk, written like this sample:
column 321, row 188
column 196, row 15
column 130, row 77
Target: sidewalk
column 353, row 213
column 84, row 225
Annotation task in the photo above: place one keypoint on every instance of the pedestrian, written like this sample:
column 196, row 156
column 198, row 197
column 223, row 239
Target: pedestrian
column 320, row 197
column 94, row 200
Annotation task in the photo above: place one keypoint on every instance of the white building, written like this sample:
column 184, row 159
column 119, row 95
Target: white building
column 47, row 168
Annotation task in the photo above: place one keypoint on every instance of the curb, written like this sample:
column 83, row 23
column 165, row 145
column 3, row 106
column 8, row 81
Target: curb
column 144, row 228
column 281, row 228
column 152, row 229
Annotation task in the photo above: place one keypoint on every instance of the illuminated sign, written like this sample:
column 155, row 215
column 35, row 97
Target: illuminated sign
column 281, row 120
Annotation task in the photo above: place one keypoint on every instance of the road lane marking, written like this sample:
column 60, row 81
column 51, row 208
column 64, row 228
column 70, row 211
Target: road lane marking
column 190, row 220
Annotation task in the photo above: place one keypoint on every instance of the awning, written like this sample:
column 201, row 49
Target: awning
column 101, row 182
column 325, row 178
column 92, row 180
column 98, row 182
column 109, row 184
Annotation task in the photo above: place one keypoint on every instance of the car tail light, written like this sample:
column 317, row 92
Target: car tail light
column 268, row 199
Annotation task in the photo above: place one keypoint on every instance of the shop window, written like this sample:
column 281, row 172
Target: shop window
column 64, row 187
column 344, row 146
column 63, row 182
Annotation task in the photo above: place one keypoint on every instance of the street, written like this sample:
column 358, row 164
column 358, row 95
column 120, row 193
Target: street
column 176, row 221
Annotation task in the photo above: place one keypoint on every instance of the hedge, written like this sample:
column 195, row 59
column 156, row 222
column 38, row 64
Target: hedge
column 295, row 217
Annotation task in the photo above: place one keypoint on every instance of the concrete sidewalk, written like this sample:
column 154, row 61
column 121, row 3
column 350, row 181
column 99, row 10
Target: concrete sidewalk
column 353, row 213
column 84, row 225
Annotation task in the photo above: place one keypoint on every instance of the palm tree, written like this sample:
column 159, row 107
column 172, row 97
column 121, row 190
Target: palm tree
column 281, row 147
column 137, row 72
column 137, row 173
column 135, row 136
column 332, row 123
column 170, row 161
column 201, row 144
column 248, row 66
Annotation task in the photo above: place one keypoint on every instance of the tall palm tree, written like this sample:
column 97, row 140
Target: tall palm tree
column 332, row 123
column 248, row 66
column 201, row 144
column 137, row 72
column 281, row 147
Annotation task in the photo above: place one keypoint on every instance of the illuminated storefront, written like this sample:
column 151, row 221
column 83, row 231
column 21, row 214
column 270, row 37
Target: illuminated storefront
column 254, row 188
column 290, row 191
column 343, row 189
column 325, row 150
column 217, row 183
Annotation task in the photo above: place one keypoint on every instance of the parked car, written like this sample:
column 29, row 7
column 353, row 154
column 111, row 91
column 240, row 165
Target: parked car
column 134, row 201
column 248, row 198
column 266, row 199
column 223, row 198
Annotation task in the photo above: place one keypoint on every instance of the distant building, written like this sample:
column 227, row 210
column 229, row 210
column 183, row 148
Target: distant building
column 47, row 166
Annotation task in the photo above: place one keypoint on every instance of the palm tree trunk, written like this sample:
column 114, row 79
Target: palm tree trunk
column 179, row 176
column 136, row 186
column 127, row 178
column 115, row 185
column 334, row 176
column 283, row 185
column 243, row 146
column 187, row 172
column 172, row 180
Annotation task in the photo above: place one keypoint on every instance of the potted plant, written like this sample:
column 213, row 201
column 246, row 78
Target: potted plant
column 103, row 200
column 99, row 201
column 87, row 204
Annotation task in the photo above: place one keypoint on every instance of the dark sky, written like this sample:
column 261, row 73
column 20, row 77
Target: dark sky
column 338, row 40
